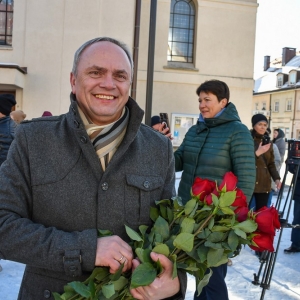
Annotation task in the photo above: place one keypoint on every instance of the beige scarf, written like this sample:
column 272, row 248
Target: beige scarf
column 106, row 138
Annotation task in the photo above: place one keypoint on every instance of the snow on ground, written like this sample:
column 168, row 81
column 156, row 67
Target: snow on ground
column 285, row 283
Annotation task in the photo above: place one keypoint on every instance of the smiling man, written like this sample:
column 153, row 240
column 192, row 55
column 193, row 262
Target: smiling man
column 91, row 168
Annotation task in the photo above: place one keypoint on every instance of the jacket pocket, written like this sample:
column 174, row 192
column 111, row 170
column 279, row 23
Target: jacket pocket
column 140, row 193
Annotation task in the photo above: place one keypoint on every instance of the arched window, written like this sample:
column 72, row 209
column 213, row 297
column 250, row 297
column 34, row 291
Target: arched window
column 181, row 31
column 6, row 21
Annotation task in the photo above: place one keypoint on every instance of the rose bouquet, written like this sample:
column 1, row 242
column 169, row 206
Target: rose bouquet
column 203, row 233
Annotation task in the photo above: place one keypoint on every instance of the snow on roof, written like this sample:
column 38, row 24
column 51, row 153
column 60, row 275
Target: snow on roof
column 268, row 80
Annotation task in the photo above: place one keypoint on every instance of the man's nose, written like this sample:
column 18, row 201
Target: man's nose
column 108, row 82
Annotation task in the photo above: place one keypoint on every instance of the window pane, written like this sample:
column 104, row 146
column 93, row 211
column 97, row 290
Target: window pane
column 2, row 22
column 190, row 50
column 181, row 35
column 9, row 23
column 10, row 5
column 181, row 21
column 178, row 58
column 182, row 8
column 292, row 78
column 191, row 35
column 9, row 40
column 179, row 49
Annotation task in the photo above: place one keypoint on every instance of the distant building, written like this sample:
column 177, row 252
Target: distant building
column 195, row 41
column 277, row 92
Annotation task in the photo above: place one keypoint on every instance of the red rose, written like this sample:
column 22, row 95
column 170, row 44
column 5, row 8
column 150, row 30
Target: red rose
column 230, row 180
column 263, row 241
column 240, row 200
column 202, row 187
column 241, row 213
column 267, row 219
column 208, row 199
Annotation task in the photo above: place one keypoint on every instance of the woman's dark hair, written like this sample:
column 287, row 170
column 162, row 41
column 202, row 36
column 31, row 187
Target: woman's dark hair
column 217, row 87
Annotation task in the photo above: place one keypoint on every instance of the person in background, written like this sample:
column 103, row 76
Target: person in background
column 95, row 167
column 265, row 163
column 217, row 144
column 7, row 127
column 161, row 127
column 46, row 114
column 277, row 160
column 278, row 163
column 279, row 141
column 18, row 116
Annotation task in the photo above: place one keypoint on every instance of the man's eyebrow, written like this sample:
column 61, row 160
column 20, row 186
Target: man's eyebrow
column 102, row 70
column 94, row 67
column 120, row 72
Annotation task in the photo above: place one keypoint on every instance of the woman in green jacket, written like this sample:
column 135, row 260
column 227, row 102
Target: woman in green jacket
column 217, row 144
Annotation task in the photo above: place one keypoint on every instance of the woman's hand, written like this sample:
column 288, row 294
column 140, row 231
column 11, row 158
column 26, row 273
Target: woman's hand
column 262, row 149
column 278, row 184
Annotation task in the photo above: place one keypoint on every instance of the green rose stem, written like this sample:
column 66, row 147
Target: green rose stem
column 204, row 224
column 175, row 219
column 182, row 257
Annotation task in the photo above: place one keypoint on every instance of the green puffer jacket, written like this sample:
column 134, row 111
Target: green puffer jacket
column 215, row 147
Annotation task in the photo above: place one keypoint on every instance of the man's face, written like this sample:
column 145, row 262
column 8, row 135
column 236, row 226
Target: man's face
column 102, row 82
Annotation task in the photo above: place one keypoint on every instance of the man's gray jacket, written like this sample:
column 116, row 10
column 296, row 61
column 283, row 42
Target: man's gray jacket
column 54, row 196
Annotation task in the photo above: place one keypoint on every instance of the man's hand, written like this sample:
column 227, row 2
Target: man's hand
column 163, row 286
column 111, row 252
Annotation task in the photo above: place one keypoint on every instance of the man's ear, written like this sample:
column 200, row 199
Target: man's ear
column 72, row 82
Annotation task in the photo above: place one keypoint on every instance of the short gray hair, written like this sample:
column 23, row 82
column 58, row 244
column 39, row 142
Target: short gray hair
column 96, row 40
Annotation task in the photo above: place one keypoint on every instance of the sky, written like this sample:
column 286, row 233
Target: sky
column 277, row 26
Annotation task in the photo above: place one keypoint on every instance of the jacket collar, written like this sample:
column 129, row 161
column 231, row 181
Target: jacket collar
column 228, row 115
column 135, row 119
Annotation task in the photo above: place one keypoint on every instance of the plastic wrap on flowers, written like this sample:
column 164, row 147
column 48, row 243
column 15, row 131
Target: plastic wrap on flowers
column 203, row 233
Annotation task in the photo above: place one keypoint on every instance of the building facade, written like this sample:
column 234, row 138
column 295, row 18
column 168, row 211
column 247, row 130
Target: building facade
column 277, row 92
column 194, row 41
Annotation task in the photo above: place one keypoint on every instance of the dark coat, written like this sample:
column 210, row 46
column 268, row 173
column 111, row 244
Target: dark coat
column 7, row 133
column 215, row 147
column 55, row 195
column 265, row 168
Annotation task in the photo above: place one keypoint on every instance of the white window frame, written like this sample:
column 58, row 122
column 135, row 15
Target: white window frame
column 280, row 80
column 292, row 77
column 288, row 105
column 287, row 132
column 276, row 106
